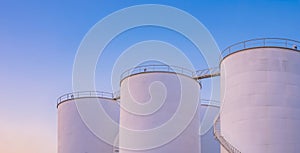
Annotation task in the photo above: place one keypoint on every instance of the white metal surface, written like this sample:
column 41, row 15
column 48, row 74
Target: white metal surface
column 208, row 142
column 223, row 142
column 260, row 100
column 148, row 101
column 74, row 135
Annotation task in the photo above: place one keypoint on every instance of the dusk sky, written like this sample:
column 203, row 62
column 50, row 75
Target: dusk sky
column 39, row 40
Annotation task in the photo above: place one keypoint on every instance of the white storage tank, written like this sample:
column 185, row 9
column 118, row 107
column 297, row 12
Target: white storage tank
column 74, row 136
column 260, row 84
column 159, row 110
column 208, row 111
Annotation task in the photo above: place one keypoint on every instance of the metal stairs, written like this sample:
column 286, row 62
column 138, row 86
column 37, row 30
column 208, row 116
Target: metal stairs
column 217, row 133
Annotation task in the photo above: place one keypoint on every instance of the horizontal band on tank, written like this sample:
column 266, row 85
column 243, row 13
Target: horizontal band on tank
column 261, row 43
column 86, row 94
column 157, row 68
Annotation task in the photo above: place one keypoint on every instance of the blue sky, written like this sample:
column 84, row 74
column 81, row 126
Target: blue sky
column 39, row 40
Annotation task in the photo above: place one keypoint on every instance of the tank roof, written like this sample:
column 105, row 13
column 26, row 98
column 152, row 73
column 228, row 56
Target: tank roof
column 85, row 94
column 157, row 68
column 261, row 43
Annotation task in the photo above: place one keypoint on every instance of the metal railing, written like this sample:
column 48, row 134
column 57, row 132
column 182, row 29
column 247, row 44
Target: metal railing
column 261, row 42
column 217, row 132
column 116, row 95
column 207, row 73
column 113, row 96
column 210, row 102
column 116, row 148
column 157, row 68
column 84, row 94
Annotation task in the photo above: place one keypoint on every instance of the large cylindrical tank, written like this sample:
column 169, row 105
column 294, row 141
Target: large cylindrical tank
column 74, row 136
column 208, row 142
column 159, row 111
column 260, row 111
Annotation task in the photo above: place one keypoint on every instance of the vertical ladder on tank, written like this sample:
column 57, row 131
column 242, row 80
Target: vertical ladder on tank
column 217, row 132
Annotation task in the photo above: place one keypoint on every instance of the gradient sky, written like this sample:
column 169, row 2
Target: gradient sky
column 39, row 39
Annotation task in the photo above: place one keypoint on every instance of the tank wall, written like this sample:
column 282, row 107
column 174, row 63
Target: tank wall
column 260, row 100
column 144, row 88
column 74, row 136
column 223, row 150
column 208, row 142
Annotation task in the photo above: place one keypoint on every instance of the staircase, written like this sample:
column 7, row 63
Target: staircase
column 217, row 132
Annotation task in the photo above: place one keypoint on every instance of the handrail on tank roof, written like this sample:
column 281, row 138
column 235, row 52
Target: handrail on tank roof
column 210, row 103
column 261, row 42
column 116, row 96
column 157, row 68
column 84, row 94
